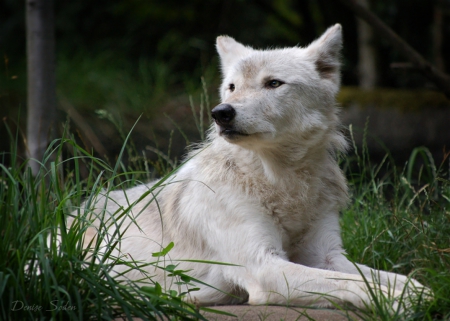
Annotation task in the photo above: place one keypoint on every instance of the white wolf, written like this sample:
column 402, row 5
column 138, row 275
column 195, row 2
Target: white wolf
column 264, row 191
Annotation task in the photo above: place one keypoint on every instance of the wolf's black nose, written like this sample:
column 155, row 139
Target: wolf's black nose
column 223, row 114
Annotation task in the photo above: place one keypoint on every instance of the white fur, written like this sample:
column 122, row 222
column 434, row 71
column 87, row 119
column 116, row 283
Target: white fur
column 268, row 200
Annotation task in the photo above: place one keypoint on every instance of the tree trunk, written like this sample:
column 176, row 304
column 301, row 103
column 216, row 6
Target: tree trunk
column 437, row 35
column 367, row 70
column 41, row 103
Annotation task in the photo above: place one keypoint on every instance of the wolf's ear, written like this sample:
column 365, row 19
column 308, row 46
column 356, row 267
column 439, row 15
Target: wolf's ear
column 326, row 52
column 230, row 51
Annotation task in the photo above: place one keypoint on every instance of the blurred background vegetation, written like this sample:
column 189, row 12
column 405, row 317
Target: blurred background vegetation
column 120, row 59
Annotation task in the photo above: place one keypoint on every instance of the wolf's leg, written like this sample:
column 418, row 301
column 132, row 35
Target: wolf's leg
column 322, row 248
column 264, row 271
column 280, row 282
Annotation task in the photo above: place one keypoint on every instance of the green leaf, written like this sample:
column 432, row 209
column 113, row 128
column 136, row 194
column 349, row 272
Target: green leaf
column 155, row 290
column 164, row 251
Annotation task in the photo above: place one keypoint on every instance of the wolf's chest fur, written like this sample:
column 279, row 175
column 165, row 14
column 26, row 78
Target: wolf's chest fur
column 293, row 202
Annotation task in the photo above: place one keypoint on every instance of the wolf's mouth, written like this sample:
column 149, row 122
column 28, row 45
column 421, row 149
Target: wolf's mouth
column 231, row 133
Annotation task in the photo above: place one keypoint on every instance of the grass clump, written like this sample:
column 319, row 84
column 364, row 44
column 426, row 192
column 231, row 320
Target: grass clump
column 399, row 221
column 45, row 273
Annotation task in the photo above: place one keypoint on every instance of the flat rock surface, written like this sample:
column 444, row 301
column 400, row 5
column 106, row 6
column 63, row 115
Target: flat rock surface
column 277, row 313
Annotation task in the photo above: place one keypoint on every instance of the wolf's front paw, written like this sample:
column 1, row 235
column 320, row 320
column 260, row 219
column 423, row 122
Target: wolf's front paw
column 412, row 294
column 416, row 292
column 397, row 299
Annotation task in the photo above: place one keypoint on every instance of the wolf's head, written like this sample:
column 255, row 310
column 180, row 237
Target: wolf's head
column 274, row 96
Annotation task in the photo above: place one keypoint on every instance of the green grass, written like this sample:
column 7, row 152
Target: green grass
column 45, row 273
column 399, row 220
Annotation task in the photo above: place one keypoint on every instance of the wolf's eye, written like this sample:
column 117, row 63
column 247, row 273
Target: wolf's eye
column 231, row 87
column 274, row 83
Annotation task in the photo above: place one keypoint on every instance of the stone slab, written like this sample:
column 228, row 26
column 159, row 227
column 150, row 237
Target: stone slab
column 277, row 313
